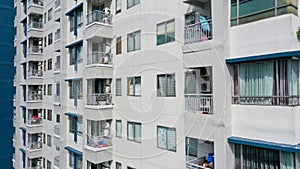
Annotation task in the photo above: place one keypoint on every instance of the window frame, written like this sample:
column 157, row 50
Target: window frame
column 134, row 36
column 135, row 139
column 119, row 45
column 118, row 87
column 118, row 134
column 167, row 142
column 135, row 2
column 50, row 13
column 116, row 7
column 134, row 84
column 165, row 23
column 165, row 94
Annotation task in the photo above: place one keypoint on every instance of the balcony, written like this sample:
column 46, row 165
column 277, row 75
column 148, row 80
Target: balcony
column 35, row 163
column 99, row 99
column 32, row 146
column 198, row 32
column 35, row 6
column 36, row 2
column 99, row 142
column 98, row 57
column 35, row 25
column 35, row 121
column 35, row 49
column 200, row 154
column 35, row 73
column 99, row 16
column 35, row 93
column 202, row 103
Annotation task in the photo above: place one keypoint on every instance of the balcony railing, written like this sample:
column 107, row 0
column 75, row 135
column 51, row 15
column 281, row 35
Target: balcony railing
column 99, row 16
column 36, row 167
column 198, row 163
column 99, row 58
column 57, row 129
column 35, row 145
column 36, row 2
column 35, row 49
column 35, row 25
column 98, row 99
column 267, row 100
column 56, row 98
column 199, row 103
column 56, row 161
column 99, row 141
column 198, row 32
column 35, row 97
column 35, row 73
column 35, row 121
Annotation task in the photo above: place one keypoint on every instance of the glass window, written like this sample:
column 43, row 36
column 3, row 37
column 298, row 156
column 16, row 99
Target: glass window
column 166, row 85
column 118, row 87
column 79, row 89
column 49, row 14
column 45, row 17
column 79, row 18
column 166, row 138
column 48, row 164
column 119, row 45
column 134, row 41
column 49, row 140
column 71, row 19
column 49, row 89
column 79, row 125
column 166, row 32
column 118, row 6
column 134, row 86
column 131, row 3
column 79, row 54
column 50, row 39
column 191, row 146
column 49, row 64
column 271, row 83
column 118, row 165
column 49, row 115
column 118, row 128
column 57, row 118
column 134, row 131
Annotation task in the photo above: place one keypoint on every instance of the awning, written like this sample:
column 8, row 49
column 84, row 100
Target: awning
column 73, row 150
column 23, row 151
column 71, row 11
column 76, row 43
column 73, row 79
column 280, row 55
column 264, row 144
column 73, row 114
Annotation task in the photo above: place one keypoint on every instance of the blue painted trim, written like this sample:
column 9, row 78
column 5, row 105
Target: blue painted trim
column 71, row 11
column 73, row 114
column 264, row 57
column 75, row 129
column 73, row 150
column 75, row 23
column 76, row 43
column 265, row 144
column 75, row 161
column 75, row 93
column 75, row 58
column 24, row 107
column 22, row 150
column 73, row 79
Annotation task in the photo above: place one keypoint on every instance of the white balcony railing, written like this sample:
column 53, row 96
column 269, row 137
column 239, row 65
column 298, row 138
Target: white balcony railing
column 36, row 2
column 56, row 161
column 35, row 145
column 98, row 99
column 198, row 163
column 35, row 73
column 35, row 49
column 99, row 141
column 99, row 16
column 199, row 103
column 267, row 100
column 198, row 32
column 56, row 129
column 35, row 25
column 35, row 121
column 99, row 58
column 35, row 97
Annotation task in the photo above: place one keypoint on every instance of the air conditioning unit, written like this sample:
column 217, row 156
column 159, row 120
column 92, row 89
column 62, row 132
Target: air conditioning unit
column 205, row 71
column 205, row 87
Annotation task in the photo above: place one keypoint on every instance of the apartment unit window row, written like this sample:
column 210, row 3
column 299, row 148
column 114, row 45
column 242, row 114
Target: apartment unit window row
column 134, row 131
column 249, row 157
column 267, row 83
column 166, row 138
column 245, row 11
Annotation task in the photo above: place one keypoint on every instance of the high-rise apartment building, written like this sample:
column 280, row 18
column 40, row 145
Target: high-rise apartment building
column 142, row 84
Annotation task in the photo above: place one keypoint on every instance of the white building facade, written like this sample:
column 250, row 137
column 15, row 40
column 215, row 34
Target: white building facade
column 156, row 84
